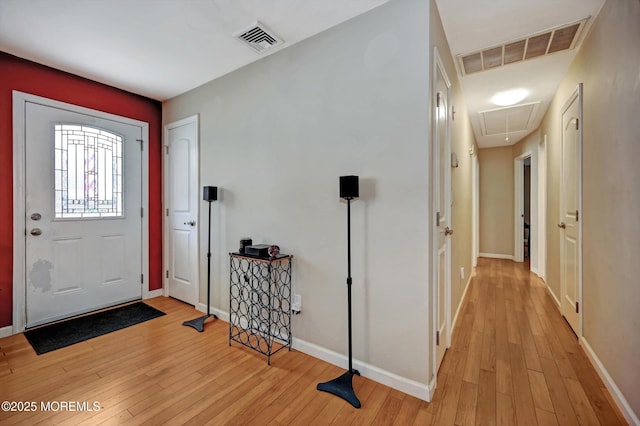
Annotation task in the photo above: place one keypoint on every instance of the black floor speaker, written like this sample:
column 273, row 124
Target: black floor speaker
column 209, row 193
column 349, row 187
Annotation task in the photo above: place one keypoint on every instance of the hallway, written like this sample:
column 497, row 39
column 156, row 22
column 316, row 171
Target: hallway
column 514, row 359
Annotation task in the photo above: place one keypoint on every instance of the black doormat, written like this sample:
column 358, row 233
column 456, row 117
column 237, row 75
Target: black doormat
column 66, row 333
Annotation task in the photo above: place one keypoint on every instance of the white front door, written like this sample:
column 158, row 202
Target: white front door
column 442, row 175
column 182, row 201
column 83, row 205
column 570, row 264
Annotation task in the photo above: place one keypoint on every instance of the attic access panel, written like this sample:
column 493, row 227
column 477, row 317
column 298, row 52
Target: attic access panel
column 521, row 118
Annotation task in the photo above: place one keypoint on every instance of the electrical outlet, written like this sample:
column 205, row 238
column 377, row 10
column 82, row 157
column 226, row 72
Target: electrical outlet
column 296, row 307
column 462, row 272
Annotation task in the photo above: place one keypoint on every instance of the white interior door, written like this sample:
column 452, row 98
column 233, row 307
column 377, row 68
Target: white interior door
column 83, row 205
column 570, row 254
column 182, row 195
column 442, row 174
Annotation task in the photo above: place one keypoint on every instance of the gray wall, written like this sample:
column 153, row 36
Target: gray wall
column 276, row 135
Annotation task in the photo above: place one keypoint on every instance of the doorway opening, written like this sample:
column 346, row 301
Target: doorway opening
column 526, row 215
column 526, row 210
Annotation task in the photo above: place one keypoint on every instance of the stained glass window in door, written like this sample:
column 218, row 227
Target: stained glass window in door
column 88, row 172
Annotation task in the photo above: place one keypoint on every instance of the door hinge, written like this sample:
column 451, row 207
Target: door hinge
column 577, row 124
column 437, row 219
column 167, row 212
column 437, row 338
column 438, row 100
column 141, row 144
column 141, row 211
column 141, row 278
column 167, row 274
column 577, row 307
column 166, row 149
column 577, row 216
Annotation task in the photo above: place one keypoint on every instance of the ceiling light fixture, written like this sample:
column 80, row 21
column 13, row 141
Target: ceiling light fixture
column 510, row 97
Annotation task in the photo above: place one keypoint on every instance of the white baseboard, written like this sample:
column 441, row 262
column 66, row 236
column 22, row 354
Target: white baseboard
column 464, row 293
column 617, row 395
column 497, row 256
column 419, row 390
column 6, row 331
column 553, row 295
column 150, row 294
column 408, row 386
column 432, row 385
column 224, row 316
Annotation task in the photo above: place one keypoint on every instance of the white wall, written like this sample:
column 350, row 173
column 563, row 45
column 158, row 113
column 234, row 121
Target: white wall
column 276, row 135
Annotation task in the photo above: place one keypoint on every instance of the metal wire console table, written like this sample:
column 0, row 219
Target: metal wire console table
column 260, row 302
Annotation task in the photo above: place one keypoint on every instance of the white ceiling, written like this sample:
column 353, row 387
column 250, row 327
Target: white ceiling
column 472, row 25
column 162, row 48
column 158, row 48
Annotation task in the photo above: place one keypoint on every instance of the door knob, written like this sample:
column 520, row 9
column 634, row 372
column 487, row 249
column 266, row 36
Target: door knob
column 36, row 216
column 447, row 231
column 562, row 225
column 191, row 223
column 36, row 231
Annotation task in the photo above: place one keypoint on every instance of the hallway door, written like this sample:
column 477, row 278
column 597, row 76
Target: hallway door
column 442, row 203
column 570, row 203
column 182, row 202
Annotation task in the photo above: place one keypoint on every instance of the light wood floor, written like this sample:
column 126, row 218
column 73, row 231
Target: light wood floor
column 513, row 360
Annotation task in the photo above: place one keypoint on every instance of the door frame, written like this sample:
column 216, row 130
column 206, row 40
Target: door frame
column 542, row 209
column 20, row 99
column 576, row 95
column 518, row 247
column 438, row 67
column 165, row 204
column 475, row 200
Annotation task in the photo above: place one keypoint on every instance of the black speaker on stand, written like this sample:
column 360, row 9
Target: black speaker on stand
column 209, row 194
column 342, row 386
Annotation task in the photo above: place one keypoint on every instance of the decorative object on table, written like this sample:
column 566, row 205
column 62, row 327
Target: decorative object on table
column 273, row 251
column 260, row 302
column 342, row 386
column 257, row 250
column 244, row 242
column 209, row 194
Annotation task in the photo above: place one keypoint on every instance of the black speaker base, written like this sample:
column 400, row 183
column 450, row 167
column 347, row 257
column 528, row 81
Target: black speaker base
column 198, row 323
column 343, row 387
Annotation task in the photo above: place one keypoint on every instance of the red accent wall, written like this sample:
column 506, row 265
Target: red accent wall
column 29, row 77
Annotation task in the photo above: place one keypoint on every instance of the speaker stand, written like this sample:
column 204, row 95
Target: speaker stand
column 342, row 386
column 198, row 323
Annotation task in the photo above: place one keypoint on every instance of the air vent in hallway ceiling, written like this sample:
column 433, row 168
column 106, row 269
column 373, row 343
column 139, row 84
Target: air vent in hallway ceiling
column 533, row 46
column 259, row 38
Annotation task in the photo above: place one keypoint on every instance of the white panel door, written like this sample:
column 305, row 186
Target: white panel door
column 83, row 213
column 570, row 213
column 442, row 174
column 182, row 195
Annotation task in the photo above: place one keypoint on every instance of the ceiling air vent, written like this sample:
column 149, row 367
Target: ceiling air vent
column 540, row 44
column 259, row 38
